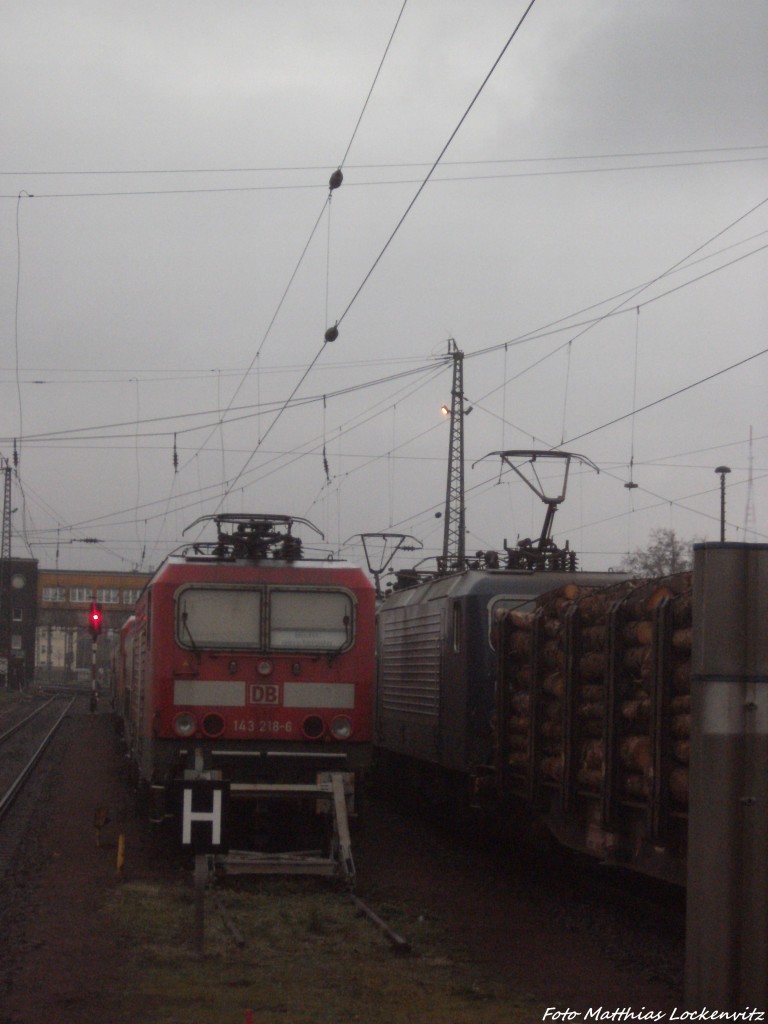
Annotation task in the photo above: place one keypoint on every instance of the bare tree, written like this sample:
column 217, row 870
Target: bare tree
column 665, row 554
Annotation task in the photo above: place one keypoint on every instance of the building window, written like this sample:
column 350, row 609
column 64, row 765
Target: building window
column 18, row 615
column 108, row 595
column 16, row 642
column 54, row 594
column 130, row 596
column 79, row 594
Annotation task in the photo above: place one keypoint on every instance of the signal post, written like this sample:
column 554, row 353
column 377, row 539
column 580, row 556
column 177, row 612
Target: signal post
column 95, row 620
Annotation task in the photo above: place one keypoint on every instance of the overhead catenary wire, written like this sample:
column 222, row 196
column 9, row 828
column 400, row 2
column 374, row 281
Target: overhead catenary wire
column 666, row 398
column 322, row 167
column 619, row 307
column 70, row 434
column 445, row 179
column 630, row 485
column 268, row 330
column 249, row 410
column 666, row 272
column 602, row 426
column 653, row 300
column 434, row 166
column 534, row 335
column 592, row 431
column 334, row 182
column 373, row 85
column 201, row 490
column 545, row 330
column 489, row 484
column 16, row 318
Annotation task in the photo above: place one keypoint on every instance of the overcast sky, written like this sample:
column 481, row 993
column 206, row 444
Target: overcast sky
column 593, row 238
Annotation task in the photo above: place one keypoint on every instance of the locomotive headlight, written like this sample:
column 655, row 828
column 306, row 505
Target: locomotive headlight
column 184, row 724
column 264, row 668
column 341, row 728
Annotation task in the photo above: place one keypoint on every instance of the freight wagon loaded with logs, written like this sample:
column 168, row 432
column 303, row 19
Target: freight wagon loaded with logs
column 593, row 719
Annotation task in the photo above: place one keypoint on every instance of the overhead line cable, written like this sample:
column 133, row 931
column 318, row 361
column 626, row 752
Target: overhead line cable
column 394, row 181
column 665, row 398
column 662, row 501
column 268, row 330
column 68, row 434
column 476, row 403
column 334, row 182
column 214, row 487
column 665, row 273
column 655, row 459
column 530, row 336
column 534, row 335
column 326, row 204
column 637, row 291
column 248, row 461
column 373, row 84
column 424, row 163
column 492, row 482
column 538, row 332
column 16, row 321
column 431, row 171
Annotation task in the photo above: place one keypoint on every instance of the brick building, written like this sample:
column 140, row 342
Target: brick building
column 18, row 617
column 63, row 650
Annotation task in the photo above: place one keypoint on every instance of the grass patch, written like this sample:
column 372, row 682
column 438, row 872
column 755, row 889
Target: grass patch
column 309, row 957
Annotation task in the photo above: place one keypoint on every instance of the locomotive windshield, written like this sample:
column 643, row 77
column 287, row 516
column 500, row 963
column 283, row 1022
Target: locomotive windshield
column 219, row 618
column 306, row 620
column 264, row 619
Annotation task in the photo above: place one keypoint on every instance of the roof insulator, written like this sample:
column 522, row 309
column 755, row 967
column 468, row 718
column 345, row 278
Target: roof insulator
column 335, row 179
column 332, row 333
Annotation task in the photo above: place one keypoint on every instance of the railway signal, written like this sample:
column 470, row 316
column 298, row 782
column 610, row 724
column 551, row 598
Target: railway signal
column 95, row 620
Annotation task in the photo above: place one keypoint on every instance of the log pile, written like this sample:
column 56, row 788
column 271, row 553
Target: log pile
column 680, row 704
column 608, row 623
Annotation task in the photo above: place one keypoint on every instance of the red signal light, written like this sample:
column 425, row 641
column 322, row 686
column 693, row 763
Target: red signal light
column 95, row 620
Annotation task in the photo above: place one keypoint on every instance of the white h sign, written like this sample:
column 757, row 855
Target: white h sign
column 214, row 816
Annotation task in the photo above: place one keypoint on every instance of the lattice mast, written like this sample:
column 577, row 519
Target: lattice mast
column 5, row 547
column 453, row 558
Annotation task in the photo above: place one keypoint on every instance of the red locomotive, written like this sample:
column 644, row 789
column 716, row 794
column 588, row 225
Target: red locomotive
column 251, row 659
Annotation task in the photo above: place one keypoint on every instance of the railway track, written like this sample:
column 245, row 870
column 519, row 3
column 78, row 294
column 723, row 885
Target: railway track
column 22, row 745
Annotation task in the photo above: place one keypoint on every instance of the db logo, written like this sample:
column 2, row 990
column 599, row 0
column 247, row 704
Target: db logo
column 265, row 693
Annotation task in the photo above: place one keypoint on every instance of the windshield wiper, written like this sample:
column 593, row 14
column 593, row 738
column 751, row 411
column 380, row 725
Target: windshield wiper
column 185, row 624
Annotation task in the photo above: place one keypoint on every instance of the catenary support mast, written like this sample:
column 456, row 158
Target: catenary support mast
column 454, row 533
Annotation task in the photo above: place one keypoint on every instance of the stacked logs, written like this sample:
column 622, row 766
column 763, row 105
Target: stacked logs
column 514, row 639
column 639, row 680
column 627, row 635
column 680, row 704
column 547, row 679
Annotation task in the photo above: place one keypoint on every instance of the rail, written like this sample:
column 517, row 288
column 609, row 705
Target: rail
column 15, row 788
column 20, row 725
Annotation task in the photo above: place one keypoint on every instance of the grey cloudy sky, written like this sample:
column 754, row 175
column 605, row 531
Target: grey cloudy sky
column 593, row 239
